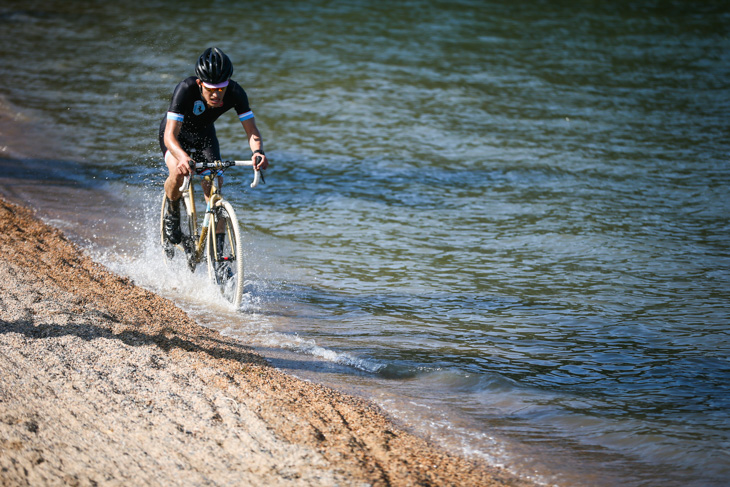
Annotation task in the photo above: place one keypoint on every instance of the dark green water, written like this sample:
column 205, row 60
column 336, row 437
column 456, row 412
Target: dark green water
column 505, row 222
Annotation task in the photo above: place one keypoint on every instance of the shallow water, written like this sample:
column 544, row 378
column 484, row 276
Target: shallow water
column 505, row 223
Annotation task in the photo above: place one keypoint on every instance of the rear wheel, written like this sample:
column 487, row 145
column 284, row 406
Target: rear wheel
column 223, row 251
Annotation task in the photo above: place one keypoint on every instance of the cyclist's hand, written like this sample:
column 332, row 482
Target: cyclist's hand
column 260, row 161
column 183, row 167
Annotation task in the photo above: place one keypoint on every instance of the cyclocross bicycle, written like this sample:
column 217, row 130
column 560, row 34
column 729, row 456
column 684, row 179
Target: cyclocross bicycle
column 219, row 236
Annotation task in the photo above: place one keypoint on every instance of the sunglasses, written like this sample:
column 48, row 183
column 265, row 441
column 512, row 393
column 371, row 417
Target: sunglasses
column 219, row 90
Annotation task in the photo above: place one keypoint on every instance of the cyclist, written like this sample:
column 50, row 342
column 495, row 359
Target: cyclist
column 187, row 132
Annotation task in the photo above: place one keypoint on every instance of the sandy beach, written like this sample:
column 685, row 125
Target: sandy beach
column 105, row 383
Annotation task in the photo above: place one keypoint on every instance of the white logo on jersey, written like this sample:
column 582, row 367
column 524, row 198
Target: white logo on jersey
column 198, row 107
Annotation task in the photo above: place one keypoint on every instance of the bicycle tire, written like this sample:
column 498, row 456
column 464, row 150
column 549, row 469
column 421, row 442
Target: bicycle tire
column 186, row 227
column 225, row 266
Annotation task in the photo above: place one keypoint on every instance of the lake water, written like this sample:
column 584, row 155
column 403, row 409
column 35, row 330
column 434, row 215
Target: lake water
column 507, row 223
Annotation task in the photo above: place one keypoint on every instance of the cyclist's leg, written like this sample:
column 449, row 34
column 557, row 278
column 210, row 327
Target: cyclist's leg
column 174, row 177
column 171, row 221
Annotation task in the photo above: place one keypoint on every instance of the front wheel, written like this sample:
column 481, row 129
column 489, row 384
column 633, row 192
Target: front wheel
column 223, row 251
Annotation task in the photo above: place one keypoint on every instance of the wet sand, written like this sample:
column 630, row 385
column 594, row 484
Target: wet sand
column 106, row 383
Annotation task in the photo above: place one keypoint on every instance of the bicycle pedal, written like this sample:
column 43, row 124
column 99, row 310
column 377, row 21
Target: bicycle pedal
column 191, row 262
column 189, row 248
column 187, row 245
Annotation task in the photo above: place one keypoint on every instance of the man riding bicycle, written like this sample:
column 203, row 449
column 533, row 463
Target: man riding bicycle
column 187, row 132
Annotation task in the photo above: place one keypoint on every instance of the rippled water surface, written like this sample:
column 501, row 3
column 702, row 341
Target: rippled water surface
column 505, row 222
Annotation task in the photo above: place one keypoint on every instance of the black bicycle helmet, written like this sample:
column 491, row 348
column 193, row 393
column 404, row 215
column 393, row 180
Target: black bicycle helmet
column 213, row 66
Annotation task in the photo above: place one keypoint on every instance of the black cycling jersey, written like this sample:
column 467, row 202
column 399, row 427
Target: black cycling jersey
column 197, row 134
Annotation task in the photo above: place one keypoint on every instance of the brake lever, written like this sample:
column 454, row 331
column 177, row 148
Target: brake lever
column 259, row 171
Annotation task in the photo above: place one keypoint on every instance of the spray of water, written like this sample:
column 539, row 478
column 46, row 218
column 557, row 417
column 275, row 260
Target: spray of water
column 254, row 323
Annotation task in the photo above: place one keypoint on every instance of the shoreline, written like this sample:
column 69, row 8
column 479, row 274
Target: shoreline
column 109, row 383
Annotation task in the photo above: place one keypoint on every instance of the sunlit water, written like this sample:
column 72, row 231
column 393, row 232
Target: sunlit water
column 505, row 222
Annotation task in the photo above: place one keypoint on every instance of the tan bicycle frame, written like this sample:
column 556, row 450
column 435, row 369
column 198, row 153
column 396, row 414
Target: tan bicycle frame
column 213, row 201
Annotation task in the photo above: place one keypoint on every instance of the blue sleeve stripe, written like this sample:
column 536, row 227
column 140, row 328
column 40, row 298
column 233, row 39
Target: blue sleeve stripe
column 245, row 116
column 175, row 116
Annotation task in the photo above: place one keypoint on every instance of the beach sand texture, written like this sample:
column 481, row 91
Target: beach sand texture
column 105, row 383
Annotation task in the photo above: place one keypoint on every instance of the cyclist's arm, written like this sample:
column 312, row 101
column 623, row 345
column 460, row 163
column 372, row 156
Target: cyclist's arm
column 255, row 143
column 172, row 130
